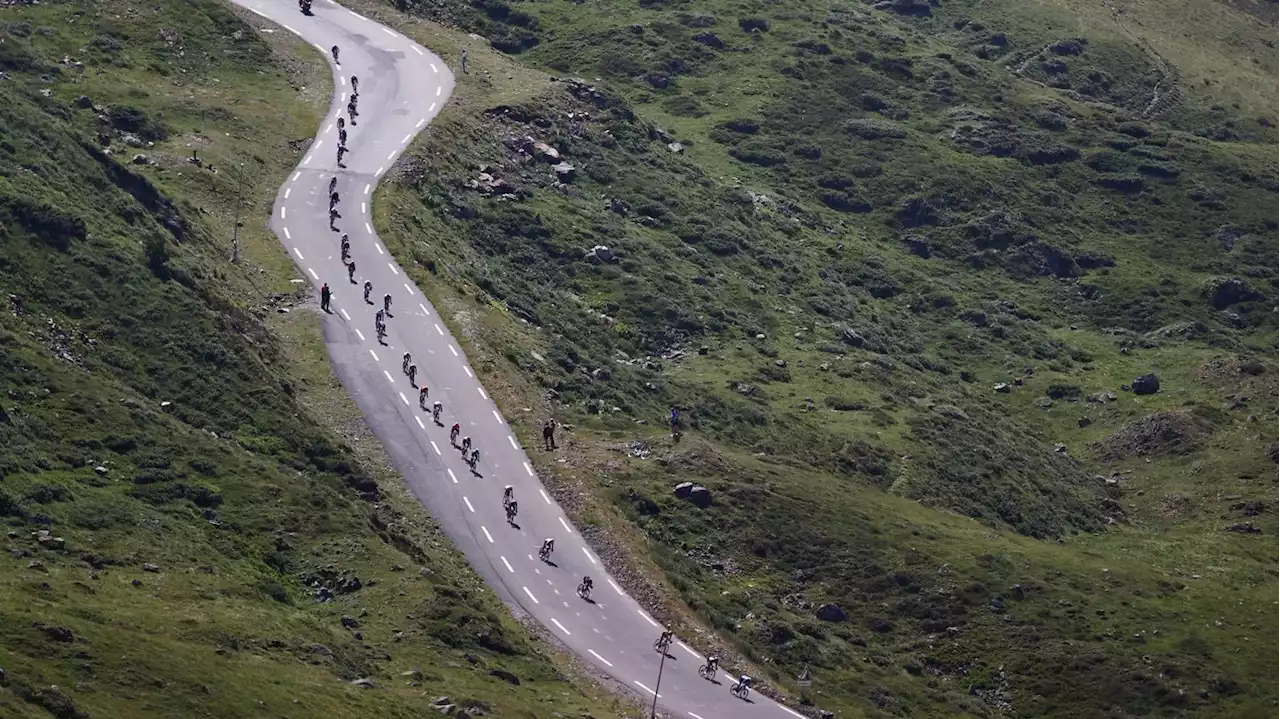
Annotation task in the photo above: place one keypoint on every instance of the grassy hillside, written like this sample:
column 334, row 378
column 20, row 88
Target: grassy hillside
column 196, row 521
column 898, row 266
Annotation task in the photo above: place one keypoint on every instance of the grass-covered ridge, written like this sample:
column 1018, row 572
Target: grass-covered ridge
column 176, row 485
column 833, row 232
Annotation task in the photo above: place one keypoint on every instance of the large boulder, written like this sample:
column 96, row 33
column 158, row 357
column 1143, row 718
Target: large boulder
column 701, row 496
column 684, row 490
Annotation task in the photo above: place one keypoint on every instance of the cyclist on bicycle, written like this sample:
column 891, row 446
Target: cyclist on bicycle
column 435, row 409
column 453, row 433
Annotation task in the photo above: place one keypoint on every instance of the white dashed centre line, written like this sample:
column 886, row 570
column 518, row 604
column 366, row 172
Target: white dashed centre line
column 473, row 509
column 394, row 271
column 432, row 108
column 405, row 399
column 438, row 90
column 378, row 247
column 420, row 424
column 565, row 524
column 424, row 309
column 283, row 212
column 298, row 173
column 647, row 689
column 497, row 416
column 342, row 80
column 406, row 139
column 545, row 498
column 529, row 471
column 434, row 446
column 512, row 440
column 287, row 235
column 439, row 331
column 647, row 618
column 367, row 189
column 314, row 276
column 298, row 252
column 561, row 627
column 391, row 156
column 345, row 316
column 486, row 534
column 452, row 476
column 453, row 350
column 388, row 376
column 379, row 171
column 421, row 123
column 507, row 564
column 526, row 591
column 364, row 208
column 367, row 228
column 482, row 394
column 360, row 335
column 407, row 288
column 287, row 190
column 375, row 355
column 467, row 370
column 593, row 559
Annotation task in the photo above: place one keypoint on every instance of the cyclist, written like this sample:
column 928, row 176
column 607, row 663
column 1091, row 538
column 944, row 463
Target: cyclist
column 512, row 508
column 708, row 670
column 508, row 494
column 368, row 287
column 548, row 546
column 342, row 137
column 744, row 683
column 435, row 410
column 355, row 85
column 346, row 255
column 584, row 589
column 386, row 304
column 333, row 181
column 334, row 50
column 422, row 397
column 333, row 199
column 404, row 361
column 664, row 641
column 475, row 457
column 351, row 272
column 413, row 374
column 378, row 320
column 453, row 433
column 466, row 445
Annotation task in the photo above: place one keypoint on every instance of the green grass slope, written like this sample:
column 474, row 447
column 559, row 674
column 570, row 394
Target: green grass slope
column 174, row 491
column 898, row 266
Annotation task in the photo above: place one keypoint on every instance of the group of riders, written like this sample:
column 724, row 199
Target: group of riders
column 470, row 454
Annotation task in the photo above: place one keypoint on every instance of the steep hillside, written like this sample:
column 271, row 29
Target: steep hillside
column 187, row 533
column 900, row 268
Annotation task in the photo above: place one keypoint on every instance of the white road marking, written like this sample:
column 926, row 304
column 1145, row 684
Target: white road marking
column 529, row 470
column 360, row 335
column 421, row 123
column 473, row 509
column 792, row 712
column 342, row 80
column 685, row 647
column 647, row 689
column 405, row 399
column 565, row 524
column 467, row 370
column 364, row 208
column 434, row 68
column 367, row 228
column 526, row 591
column 394, row 271
column 421, row 425
column 408, row 289
column 482, row 394
column 375, row 355
column 287, row 190
column 286, row 27
column 287, row 236
column 497, row 416
column 406, row 139
column 298, row 252
column 432, row 108
column 438, row 90
column 508, row 564
column 314, row 276
column 512, row 440
column 307, row 160
column 604, row 661
column 593, row 559
column 379, row 171
column 282, row 211
column 417, row 49
column 647, row 618
column 435, row 446
column 378, row 247
column 561, row 626
column 388, row 376
column 618, row 589
column 486, row 534
column 257, row 12
column 347, row 317
column 344, row 97
column 695, row 716
column 321, row 49
column 452, row 476
column 439, row 331
column 367, row 189
column 390, row 157
column 296, row 175
column 545, row 498
column 455, row 354
column 355, row 14
column 388, row 31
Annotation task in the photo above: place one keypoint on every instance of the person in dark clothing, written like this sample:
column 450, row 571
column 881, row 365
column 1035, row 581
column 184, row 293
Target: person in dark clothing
column 324, row 297
column 549, row 435
column 351, row 272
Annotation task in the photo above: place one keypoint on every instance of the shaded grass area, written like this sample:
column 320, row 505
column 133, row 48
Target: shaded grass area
column 831, row 234
column 184, row 536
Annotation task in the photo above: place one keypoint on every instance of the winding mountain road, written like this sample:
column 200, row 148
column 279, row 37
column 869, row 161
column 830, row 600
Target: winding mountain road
column 401, row 87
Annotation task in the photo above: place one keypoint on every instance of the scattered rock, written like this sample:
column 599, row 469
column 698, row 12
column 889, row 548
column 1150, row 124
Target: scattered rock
column 1244, row 528
column 149, row 567
column 365, row 683
column 1002, row 388
column 101, row 469
column 1223, row 292
column 1146, row 384
column 57, row 634
column 684, row 489
column 831, row 613
column 1084, row 422
column 564, row 171
column 505, row 676
column 675, row 147
column 83, row 102
column 141, row 159
column 1161, row 433
column 350, row 622
column 600, row 253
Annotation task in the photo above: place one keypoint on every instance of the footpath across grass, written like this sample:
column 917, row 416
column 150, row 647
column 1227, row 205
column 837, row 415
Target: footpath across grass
column 196, row 522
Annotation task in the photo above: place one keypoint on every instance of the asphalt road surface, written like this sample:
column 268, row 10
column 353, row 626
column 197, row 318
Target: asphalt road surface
column 401, row 87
